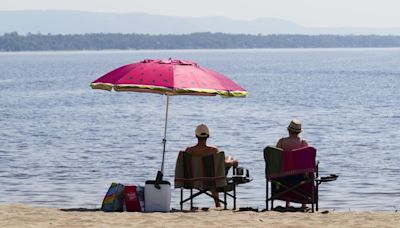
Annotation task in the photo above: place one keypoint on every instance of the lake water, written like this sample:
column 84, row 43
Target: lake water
column 62, row 143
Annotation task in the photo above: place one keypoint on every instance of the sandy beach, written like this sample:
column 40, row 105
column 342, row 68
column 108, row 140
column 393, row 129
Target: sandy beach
column 28, row 216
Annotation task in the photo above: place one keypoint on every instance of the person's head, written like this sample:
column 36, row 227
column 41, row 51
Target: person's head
column 202, row 132
column 294, row 127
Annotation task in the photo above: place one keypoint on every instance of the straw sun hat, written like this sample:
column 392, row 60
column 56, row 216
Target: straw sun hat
column 295, row 126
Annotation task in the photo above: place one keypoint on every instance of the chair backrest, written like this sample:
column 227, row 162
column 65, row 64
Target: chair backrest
column 204, row 172
column 285, row 163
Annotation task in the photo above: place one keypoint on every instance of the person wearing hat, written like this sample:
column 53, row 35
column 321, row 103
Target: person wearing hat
column 202, row 149
column 292, row 142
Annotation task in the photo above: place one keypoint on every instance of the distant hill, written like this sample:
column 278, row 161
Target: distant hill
column 78, row 22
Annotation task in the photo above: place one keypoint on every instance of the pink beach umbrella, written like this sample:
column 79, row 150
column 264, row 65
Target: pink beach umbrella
column 168, row 77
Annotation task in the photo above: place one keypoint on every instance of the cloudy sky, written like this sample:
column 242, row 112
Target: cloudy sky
column 316, row 13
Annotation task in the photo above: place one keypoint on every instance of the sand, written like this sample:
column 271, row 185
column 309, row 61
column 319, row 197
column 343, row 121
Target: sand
column 27, row 216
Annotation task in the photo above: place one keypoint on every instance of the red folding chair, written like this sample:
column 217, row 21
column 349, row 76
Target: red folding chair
column 293, row 176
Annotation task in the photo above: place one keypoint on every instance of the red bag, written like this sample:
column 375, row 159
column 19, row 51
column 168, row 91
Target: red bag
column 132, row 202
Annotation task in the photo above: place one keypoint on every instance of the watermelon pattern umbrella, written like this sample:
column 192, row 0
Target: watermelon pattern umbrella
column 168, row 77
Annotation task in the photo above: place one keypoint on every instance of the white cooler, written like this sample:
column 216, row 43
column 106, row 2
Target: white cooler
column 157, row 199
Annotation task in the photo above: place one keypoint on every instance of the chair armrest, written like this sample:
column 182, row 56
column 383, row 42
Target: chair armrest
column 331, row 177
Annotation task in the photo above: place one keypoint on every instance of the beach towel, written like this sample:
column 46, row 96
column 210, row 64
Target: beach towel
column 288, row 169
column 204, row 172
column 285, row 163
column 132, row 198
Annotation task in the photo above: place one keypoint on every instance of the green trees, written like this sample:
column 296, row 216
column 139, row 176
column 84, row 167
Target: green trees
column 99, row 41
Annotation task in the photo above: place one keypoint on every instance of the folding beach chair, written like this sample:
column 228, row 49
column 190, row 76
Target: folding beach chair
column 293, row 176
column 203, row 174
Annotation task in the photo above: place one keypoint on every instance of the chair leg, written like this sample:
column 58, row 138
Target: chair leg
column 272, row 204
column 191, row 199
column 225, row 201
column 316, row 187
column 203, row 191
column 316, row 198
column 181, row 199
column 313, row 196
column 234, row 197
column 266, row 194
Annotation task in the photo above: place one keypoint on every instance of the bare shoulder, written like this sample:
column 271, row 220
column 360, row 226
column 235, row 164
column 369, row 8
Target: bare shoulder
column 304, row 142
column 189, row 149
column 213, row 149
column 279, row 143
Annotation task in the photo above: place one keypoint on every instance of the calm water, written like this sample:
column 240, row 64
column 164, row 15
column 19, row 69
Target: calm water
column 62, row 143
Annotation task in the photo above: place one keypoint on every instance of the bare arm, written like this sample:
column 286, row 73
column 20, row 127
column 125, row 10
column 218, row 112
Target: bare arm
column 279, row 144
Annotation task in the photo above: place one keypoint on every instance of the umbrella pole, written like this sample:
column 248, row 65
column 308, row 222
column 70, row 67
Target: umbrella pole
column 160, row 173
column 165, row 134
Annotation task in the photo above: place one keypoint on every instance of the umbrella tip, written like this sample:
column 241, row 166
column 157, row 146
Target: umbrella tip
column 171, row 61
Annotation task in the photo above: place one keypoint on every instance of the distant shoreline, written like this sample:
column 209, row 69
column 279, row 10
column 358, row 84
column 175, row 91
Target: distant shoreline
column 14, row 42
column 56, row 52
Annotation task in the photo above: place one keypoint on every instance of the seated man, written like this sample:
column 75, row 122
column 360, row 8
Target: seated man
column 201, row 149
column 293, row 141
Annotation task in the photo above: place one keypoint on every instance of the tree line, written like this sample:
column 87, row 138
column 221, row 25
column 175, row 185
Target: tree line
column 101, row 41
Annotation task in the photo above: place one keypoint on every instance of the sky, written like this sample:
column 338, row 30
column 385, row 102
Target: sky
column 310, row 13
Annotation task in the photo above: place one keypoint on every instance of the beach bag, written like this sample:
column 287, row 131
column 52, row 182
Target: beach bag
column 114, row 199
column 132, row 198
column 140, row 193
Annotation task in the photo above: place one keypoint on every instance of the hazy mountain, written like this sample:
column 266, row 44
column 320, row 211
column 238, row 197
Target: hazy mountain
column 78, row 22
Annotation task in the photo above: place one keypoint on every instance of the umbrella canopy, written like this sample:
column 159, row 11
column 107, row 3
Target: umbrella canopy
column 169, row 77
column 172, row 77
